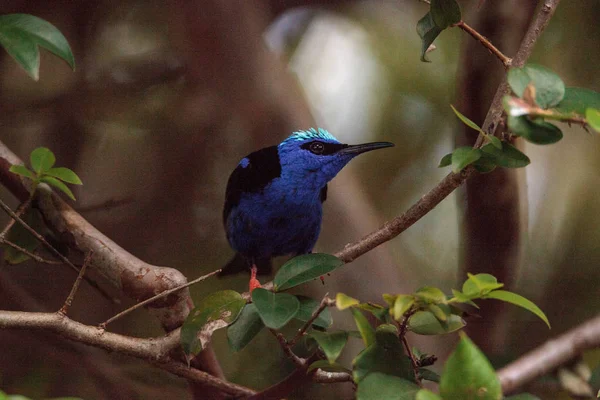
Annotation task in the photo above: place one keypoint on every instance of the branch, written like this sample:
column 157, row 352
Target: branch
column 154, row 350
column 550, row 355
column 326, row 302
column 65, row 308
column 506, row 61
column 27, row 252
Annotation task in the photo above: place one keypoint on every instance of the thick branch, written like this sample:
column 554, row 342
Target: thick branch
column 550, row 355
column 154, row 350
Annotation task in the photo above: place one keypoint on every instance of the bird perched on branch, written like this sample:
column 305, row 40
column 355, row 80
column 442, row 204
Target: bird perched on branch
column 273, row 201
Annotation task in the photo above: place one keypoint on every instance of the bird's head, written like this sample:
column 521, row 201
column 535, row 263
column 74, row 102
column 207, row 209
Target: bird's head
column 315, row 156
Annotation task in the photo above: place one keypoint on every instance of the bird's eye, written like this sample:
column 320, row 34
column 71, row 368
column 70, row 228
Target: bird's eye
column 316, row 147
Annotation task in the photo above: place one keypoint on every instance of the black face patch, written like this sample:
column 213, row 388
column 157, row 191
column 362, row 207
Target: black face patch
column 261, row 167
column 323, row 148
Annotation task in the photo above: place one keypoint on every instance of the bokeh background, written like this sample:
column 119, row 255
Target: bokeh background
column 168, row 96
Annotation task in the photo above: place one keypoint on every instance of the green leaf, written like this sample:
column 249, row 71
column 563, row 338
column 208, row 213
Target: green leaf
column 549, row 88
column 466, row 120
column 592, row 116
column 463, row 298
column 58, row 184
column 538, row 132
column 427, row 31
column 507, row 156
column 332, row 343
column 445, row 13
column 385, row 355
column 485, row 164
column 304, row 268
column 21, row 34
column 327, row 366
column 403, row 303
column 445, row 161
column 21, row 237
column 364, row 327
column 578, row 100
column 438, row 312
column 307, row 307
column 22, row 170
column 429, row 375
column 464, row 156
column 245, row 328
column 213, row 312
column 480, row 284
column 425, row 323
column 430, row 294
column 275, row 309
column 379, row 386
column 378, row 311
column 64, row 174
column 496, row 142
column 42, row 159
column 518, row 300
column 425, row 394
column 468, row 375
column 343, row 301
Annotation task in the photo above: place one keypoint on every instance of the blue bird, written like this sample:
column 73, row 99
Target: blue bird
column 273, row 201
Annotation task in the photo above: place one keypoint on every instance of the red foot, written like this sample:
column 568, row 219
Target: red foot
column 322, row 278
column 254, row 283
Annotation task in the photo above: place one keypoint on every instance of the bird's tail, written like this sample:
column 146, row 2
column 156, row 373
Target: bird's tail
column 239, row 264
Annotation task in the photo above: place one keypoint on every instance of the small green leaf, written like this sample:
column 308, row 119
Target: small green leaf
column 213, row 312
column 592, row 116
column 549, row 88
column 480, row 284
column 445, row 13
column 496, row 142
column 464, row 156
column 518, row 300
column 21, row 34
column 22, row 170
column 245, row 328
column 403, row 303
column 21, row 237
column 427, row 31
column 438, row 312
column 378, row 311
column 42, row 159
column 430, row 294
column 425, row 323
column 64, row 174
column 538, row 132
column 390, row 299
column 425, row 394
column 332, row 343
column 343, row 301
column 578, row 100
column 366, row 330
column 327, row 366
column 463, row 298
column 304, row 268
column 379, row 386
column 445, row 161
column 468, row 375
column 507, row 156
column 429, row 375
column 466, row 120
column 307, row 307
column 58, row 184
column 385, row 355
column 485, row 164
column 275, row 309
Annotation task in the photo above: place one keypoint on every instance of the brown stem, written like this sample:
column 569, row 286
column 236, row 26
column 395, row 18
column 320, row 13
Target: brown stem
column 65, row 308
column 326, row 302
column 154, row 298
column 287, row 349
column 413, row 360
column 550, row 355
column 29, row 253
column 20, row 210
column 507, row 61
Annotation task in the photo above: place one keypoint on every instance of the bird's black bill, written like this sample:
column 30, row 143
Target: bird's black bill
column 362, row 148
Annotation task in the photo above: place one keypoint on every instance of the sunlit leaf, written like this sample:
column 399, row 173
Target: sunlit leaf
column 518, row 300
column 343, row 301
column 42, row 159
column 592, row 117
column 303, row 269
column 64, row 174
column 430, row 294
column 402, row 305
column 58, row 184
column 479, row 284
column 22, row 170
column 466, row 120
column 425, row 394
column 364, row 327
column 468, row 375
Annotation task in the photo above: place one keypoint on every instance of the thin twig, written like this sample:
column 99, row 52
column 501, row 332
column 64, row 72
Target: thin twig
column 287, row 349
column 20, row 210
column 507, row 61
column 39, row 237
column 413, row 360
column 29, row 253
column 158, row 296
column 65, row 308
column 321, row 376
column 326, row 302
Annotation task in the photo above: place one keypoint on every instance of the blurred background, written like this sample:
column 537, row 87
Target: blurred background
column 169, row 96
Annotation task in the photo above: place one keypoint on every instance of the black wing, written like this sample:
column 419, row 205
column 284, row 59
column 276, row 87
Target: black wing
column 323, row 196
column 262, row 167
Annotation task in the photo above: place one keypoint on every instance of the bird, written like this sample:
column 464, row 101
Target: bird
column 273, row 200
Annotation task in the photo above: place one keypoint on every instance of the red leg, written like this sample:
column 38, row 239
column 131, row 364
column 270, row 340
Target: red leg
column 254, row 283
